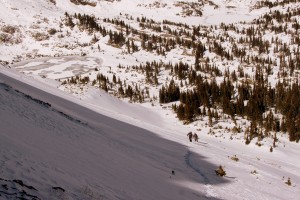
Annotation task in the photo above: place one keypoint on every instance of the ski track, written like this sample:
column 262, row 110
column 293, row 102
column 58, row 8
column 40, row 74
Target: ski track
column 189, row 164
column 210, row 192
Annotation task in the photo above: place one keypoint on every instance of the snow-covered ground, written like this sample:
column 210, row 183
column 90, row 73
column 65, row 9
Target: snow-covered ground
column 78, row 142
column 216, row 11
column 105, row 148
column 32, row 19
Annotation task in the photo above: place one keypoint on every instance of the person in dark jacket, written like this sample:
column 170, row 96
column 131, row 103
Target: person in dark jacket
column 195, row 136
column 190, row 136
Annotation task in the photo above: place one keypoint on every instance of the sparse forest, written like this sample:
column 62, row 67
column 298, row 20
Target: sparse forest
column 204, row 88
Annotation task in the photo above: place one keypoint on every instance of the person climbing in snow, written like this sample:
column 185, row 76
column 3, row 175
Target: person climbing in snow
column 195, row 136
column 190, row 135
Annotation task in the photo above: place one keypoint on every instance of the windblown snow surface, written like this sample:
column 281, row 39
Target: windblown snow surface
column 56, row 146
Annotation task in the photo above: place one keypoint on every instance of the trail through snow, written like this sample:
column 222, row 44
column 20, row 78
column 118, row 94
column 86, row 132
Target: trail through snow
column 210, row 192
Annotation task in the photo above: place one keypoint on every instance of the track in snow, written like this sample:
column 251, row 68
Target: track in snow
column 210, row 192
column 188, row 162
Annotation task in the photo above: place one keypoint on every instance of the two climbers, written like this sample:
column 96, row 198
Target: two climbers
column 192, row 136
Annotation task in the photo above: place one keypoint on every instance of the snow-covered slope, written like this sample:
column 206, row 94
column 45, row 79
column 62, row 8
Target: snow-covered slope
column 27, row 24
column 87, row 154
column 61, row 149
column 21, row 12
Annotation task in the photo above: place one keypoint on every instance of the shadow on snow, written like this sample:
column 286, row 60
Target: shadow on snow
column 118, row 159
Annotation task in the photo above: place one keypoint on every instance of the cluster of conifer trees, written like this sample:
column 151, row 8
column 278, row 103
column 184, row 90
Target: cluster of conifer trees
column 259, row 103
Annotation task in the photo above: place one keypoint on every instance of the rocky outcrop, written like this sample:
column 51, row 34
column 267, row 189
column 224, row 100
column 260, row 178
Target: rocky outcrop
column 84, row 2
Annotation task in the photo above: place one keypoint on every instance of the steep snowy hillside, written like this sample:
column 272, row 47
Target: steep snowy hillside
column 54, row 148
column 54, row 143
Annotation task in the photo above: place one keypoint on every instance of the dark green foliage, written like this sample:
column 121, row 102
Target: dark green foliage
column 169, row 94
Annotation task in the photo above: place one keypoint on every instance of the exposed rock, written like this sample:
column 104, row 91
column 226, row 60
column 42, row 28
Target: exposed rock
column 84, row 2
